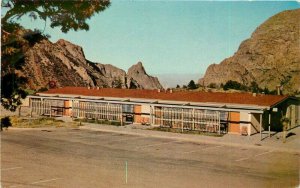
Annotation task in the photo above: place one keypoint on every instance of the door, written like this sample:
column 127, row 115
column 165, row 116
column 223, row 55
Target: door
column 234, row 122
column 137, row 114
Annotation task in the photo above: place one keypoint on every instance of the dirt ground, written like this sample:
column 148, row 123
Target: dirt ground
column 70, row 157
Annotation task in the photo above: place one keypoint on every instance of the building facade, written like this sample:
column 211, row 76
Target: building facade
column 234, row 113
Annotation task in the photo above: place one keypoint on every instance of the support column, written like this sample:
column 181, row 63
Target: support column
column 249, row 125
column 151, row 115
column 269, row 124
column 219, row 123
column 182, row 120
column 50, row 109
column 121, row 112
column 193, row 127
column 260, row 126
column 30, row 104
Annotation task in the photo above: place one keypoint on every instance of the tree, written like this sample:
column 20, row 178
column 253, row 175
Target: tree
column 254, row 87
column 212, row 85
column 65, row 14
column 234, row 85
column 178, row 86
column 192, row 85
column 16, row 40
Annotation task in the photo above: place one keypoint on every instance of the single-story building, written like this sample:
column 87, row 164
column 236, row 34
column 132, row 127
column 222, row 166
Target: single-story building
column 235, row 113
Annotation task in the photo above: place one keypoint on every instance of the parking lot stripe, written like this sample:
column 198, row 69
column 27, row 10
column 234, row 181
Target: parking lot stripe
column 242, row 159
column 12, row 168
column 245, row 158
column 187, row 152
column 125, row 139
column 36, row 182
column 264, row 153
column 151, row 145
column 44, row 181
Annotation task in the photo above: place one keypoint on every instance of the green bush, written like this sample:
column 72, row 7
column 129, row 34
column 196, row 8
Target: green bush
column 234, row 85
column 5, row 122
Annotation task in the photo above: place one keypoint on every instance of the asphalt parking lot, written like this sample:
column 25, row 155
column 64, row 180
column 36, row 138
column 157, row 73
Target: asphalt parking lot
column 65, row 157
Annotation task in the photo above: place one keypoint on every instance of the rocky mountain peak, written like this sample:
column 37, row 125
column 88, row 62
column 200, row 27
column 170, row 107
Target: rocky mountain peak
column 137, row 69
column 137, row 74
column 65, row 63
column 72, row 49
column 270, row 57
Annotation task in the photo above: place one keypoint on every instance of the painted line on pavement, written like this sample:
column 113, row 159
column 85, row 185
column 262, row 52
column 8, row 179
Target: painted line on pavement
column 264, row 153
column 246, row 158
column 159, row 144
column 187, row 152
column 125, row 139
column 36, row 182
column 44, row 181
column 12, row 168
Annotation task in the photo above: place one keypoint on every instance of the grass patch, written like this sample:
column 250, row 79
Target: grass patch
column 99, row 121
column 167, row 129
column 20, row 122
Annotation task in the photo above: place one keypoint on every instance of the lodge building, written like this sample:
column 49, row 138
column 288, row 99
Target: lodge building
column 235, row 113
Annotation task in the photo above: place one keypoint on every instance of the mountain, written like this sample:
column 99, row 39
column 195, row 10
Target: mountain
column 65, row 63
column 270, row 57
column 137, row 76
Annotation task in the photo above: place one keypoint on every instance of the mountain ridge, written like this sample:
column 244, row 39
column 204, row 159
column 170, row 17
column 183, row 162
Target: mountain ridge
column 64, row 63
column 270, row 57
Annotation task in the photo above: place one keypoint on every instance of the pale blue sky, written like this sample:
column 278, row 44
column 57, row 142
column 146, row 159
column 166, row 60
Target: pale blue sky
column 181, row 37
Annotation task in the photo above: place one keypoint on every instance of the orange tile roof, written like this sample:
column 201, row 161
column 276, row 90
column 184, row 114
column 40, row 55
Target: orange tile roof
column 187, row 96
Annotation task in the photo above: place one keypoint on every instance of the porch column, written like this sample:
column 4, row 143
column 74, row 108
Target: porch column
column 30, row 104
column 193, row 128
column 269, row 124
column 260, row 125
column 182, row 120
column 121, row 109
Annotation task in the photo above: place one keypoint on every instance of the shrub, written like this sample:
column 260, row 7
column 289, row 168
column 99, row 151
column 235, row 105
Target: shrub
column 212, row 85
column 5, row 122
column 234, row 85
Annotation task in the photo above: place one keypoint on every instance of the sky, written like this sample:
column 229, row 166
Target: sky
column 175, row 40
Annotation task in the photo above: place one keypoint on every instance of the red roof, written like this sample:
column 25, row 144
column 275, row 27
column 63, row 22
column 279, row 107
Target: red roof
column 187, row 96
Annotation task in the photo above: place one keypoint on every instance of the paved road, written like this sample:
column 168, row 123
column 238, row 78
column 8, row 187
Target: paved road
column 64, row 157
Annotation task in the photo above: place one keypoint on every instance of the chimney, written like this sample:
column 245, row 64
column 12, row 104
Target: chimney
column 89, row 87
column 97, row 87
column 171, row 91
column 278, row 89
column 254, row 94
column 158, row 90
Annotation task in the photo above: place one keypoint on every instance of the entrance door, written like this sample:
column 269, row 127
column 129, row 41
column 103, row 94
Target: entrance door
column 67, row 109
column 234, row 125
column 137, row 113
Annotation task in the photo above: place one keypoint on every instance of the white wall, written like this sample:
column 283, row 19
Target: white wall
column 145, row 109
column 246, row 117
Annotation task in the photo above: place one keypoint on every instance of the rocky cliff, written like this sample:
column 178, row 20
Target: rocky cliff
column 270, row 57
column 137, row 75
column 65, row 63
